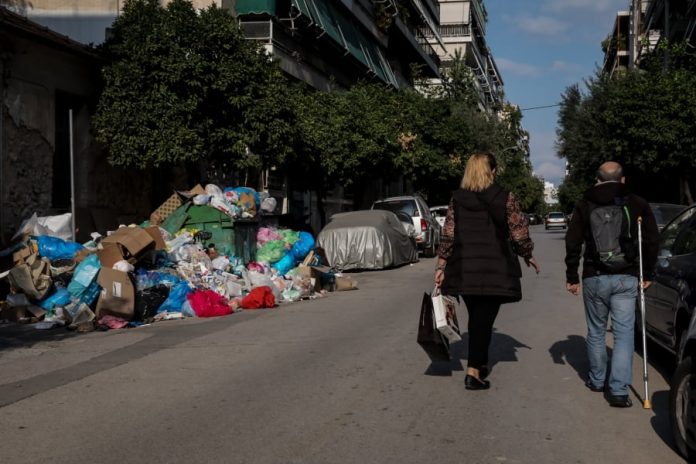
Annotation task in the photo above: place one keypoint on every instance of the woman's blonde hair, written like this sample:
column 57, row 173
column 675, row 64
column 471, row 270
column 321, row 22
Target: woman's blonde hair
column 479, row 175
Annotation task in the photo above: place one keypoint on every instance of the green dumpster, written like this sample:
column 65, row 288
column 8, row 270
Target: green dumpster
column 230, row 237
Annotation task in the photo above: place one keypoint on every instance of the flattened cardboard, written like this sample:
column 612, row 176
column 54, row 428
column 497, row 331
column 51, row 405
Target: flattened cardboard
column 117, row 297
column 27, row 314
column 129, row 243
column 344, row 283
column 154, row 232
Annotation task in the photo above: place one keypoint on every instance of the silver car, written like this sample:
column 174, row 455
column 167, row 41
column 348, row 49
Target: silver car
column 427, row 228
column 556, row 220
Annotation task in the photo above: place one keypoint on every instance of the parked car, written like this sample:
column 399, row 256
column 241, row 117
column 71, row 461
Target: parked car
column 427, row 228
column 682, row 396
column 440, row 214
column 670, row 300
column 556, row 220
column 367, row 240
column 665, row 212
column 533, row 219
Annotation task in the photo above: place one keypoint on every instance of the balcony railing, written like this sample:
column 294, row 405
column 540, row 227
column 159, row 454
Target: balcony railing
column 423, row 41
column 448, row 30
column 261, row 31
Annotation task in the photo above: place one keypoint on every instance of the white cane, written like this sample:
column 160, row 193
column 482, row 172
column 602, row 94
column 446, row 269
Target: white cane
column 646, row 401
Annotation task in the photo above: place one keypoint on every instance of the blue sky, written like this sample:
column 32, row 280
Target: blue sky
column 541, row 47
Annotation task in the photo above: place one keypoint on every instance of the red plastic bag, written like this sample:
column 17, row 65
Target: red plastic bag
column 207, row 303
column 260, row 297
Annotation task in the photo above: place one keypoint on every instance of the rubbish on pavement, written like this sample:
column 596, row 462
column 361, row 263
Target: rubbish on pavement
column 202, row 253
column 117, row 296
column 260, row 297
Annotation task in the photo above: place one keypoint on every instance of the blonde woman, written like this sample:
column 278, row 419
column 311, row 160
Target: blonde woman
column 485, row 231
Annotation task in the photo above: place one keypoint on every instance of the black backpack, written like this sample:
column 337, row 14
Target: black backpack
column 615, row 249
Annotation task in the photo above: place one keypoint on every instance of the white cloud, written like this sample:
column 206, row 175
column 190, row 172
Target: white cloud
column 541, row 25
column 543, row 155
column 595, row 6
column 552, row 171
column 566, row 68
column 516, row 68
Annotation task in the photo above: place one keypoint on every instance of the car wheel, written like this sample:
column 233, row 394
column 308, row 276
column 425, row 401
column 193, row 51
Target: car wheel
column 682, row 408
column 431, row 250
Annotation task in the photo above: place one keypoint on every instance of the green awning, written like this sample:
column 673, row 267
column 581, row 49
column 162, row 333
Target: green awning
column 303, row 7
column 256, row 7
column 364, row 48
column 325, row 16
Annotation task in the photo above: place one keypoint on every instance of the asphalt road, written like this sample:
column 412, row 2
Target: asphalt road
column 339, row 379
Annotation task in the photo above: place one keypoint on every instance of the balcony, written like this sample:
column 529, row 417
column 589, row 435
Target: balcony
column 448, row 30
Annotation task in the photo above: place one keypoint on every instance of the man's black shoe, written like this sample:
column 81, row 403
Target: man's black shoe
column 592, row 387
column 620, row 401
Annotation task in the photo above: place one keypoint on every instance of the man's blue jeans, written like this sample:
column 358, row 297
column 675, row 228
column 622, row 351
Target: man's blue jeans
column 615, row 296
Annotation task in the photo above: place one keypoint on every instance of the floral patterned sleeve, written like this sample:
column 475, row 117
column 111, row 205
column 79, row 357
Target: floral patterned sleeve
column 519, row 229
column 444, row 251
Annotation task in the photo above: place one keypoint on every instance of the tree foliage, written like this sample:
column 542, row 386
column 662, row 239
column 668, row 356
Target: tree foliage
column 641, row 118
column 182, row 85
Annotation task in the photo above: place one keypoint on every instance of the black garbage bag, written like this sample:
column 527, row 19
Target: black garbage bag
column 147, row 301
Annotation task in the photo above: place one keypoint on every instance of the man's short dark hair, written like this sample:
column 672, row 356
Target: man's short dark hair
column 610, row 176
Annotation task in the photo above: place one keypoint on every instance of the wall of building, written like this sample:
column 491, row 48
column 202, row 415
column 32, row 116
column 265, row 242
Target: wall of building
column 38, row 77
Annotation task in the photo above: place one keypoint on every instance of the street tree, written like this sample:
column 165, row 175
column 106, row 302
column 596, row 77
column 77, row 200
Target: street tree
column 185, row 86
column 641, row 118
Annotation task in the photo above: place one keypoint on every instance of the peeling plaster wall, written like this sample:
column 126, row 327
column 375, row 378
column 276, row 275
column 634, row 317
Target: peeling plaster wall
column 36, row 72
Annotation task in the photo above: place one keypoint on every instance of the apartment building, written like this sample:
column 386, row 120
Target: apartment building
column 463, row 31
column 639, row 29
column 329, row 43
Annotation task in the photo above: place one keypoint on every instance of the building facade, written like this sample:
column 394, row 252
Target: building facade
column 638, row 30
column 44, row 77
column 336, row 43
column 463, row 30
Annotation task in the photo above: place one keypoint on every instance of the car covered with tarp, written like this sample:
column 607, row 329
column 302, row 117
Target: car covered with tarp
column 372, row 239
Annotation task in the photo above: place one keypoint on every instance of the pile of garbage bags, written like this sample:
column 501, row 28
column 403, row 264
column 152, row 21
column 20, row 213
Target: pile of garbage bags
column 165, row 268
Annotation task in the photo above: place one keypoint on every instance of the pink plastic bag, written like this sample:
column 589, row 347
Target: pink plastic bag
column 260, row 297
column 266, row 234
column 113, row 322
column 207, row 303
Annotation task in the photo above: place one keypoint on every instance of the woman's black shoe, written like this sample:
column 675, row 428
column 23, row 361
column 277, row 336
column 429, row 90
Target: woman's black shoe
column 483, row 372
column 472, row 383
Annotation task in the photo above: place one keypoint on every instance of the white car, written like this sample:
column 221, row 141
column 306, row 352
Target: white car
column 440, row 214
column 427, row 227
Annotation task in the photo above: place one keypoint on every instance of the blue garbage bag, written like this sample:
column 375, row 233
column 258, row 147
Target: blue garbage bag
column 176, row 299
column 303, row 246
column 55, row 248
column 60, row 298
column 286, row 263
column 240, row 190
column 85, row 273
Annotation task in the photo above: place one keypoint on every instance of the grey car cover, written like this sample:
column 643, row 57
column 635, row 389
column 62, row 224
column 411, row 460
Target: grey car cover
column 367, row 240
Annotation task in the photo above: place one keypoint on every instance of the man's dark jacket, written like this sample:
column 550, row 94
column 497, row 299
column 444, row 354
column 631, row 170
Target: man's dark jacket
column 579, row 232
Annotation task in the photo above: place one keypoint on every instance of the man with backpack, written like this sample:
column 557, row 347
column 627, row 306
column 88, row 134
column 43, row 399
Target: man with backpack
column 606, row 222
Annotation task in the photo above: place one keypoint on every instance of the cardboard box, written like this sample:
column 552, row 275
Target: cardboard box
column 313, row 274
column 154, row 232
column 117, row 297
column 125, row 243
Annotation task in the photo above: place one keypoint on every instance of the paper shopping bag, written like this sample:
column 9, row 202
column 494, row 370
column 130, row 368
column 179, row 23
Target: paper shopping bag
column 445, row 309
column 429, row 338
